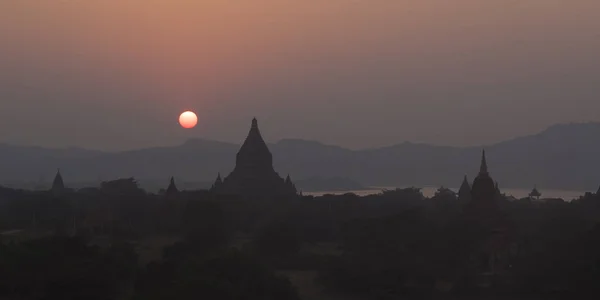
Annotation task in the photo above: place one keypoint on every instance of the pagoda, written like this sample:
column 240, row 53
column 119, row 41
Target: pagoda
column 58, row 185
column 535, row 193
column 495, row 236
column 464, row 193
column 172, row 189
column 483, row 193
column 254, row 175
column 289, row 184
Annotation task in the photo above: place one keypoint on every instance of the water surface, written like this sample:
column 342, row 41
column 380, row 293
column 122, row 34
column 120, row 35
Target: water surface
column 567, row 195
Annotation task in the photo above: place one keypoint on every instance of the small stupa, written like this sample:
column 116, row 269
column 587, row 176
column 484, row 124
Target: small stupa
column 58, row 185
column 464, row 193
column 535, row 193
column 172, row 189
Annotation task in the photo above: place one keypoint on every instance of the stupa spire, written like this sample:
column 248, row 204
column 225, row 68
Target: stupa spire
column 464, row 193
column 58, row 183
column 484, row 188
column 254, row 153
column 483, row 169
column 465, row 186
column 172, row 187
column 253, row 174
column 218, row 182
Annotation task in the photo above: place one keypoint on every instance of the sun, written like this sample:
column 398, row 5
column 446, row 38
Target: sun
column 188, row 119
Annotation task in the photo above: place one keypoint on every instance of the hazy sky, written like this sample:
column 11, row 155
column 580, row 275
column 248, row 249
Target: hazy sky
column 115, row 74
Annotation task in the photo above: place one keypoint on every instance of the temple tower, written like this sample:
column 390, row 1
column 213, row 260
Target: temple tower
column 253, row 175
column 484, row 187
column 172, row 189
column 464, row 193
column 289, row 184
column 58, row 185
column 495, row 233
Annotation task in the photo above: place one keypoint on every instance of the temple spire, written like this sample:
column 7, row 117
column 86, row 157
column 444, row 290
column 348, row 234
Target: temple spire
column 253, row 174
column 254, row 152
column 254, row 138
column 483, row 169
column 218, row 182
column 172, row 189
column 464, row 193
column 465, row 186
column 58, row 183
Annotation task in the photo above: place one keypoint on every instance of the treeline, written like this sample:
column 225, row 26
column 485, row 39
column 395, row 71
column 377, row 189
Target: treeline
column 395, row 244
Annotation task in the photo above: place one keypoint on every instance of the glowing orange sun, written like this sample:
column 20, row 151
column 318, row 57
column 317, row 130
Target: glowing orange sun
column 188, row 119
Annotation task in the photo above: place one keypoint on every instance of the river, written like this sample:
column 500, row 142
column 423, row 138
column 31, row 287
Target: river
column 567, row 195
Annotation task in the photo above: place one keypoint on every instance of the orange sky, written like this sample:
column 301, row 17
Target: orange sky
column 209, row 55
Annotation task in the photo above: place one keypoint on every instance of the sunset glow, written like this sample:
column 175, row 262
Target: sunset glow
column 289, row 59
column 188, row 120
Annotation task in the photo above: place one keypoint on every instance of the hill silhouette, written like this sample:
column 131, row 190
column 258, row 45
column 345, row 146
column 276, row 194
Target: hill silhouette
column 565, row 156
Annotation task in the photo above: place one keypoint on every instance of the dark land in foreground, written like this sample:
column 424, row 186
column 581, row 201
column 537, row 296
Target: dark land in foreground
column 118, row 242
column 561, row 157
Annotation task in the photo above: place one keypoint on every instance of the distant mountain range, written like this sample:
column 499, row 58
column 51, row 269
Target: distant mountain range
column 565, row 156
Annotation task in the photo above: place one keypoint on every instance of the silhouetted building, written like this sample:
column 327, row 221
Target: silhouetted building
column 444, row 193
column 172, row 189
column 483, row 191
column 290, row 185
column 464, row 193
column 218, row 183
column 254, row 175
column 535, row 193
column 58, row 185
column 491, row 257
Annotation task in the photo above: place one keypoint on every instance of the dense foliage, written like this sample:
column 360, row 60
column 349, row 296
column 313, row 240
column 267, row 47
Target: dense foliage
column 87, row 244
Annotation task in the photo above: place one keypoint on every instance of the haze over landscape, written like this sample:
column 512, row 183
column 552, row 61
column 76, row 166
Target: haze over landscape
column 299, row 149
column 114, row 75
column 560, row 157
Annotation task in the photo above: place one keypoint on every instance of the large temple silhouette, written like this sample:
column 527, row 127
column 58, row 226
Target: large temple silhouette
column 254, row 175
column 492, row 255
